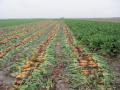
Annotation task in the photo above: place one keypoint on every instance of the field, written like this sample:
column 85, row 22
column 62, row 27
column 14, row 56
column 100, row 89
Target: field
column 114, row 19
column 59, row 55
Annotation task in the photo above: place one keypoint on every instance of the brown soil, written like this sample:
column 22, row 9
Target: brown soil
column 5, row 79
column 58, row 71
column 115, row 66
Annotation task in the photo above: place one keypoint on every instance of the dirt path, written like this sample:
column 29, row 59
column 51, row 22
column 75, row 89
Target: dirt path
column 115, row 66
column 58, row 71
column 5, row 79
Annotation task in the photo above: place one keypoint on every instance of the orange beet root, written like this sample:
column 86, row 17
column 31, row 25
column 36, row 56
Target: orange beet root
column 86, row 72
column 16, row 82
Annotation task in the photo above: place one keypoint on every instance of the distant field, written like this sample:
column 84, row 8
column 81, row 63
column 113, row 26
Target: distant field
column 13, row 22
column 104, row 19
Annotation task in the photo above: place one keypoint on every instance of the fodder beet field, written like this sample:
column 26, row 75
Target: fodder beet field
column 59, row 55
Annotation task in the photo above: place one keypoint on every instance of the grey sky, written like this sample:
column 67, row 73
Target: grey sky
column 59, row 8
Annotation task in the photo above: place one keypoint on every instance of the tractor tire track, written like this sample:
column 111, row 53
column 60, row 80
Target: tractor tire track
column 58, row 71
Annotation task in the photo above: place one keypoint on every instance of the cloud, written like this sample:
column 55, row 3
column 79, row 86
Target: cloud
column 58, row 8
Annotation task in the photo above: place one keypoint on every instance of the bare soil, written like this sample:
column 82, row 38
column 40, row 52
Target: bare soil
column 58, row 71
column 6, row 77
column 115, row 66
column 6, row 80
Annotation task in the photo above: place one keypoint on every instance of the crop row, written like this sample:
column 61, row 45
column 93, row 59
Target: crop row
column 23, row 51
column 23, row 42
column 36, row 59
column 94, row 71
column 41, row 78
column 20, row 29
column 28, row 32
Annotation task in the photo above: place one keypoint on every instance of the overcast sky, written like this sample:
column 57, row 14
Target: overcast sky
column 59, row 8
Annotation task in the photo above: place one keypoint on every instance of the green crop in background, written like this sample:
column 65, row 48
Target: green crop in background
column 13, row 22
column 101, row 37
